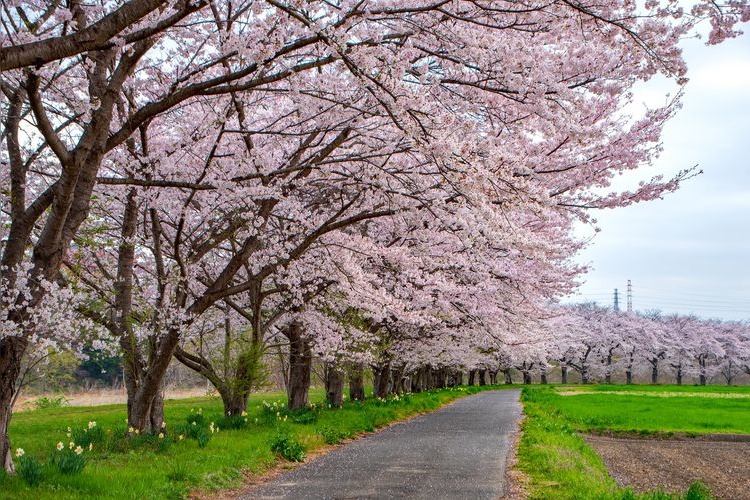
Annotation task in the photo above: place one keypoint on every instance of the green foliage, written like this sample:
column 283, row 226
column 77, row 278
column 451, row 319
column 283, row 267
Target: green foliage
column 46, row 403
column 698, row 491
column 30, row 470
column 233, row 422
column 304, row 416
column 89, row 435
column 250, row 371
column 332, row 436
column 287, row 446
column 69, row 461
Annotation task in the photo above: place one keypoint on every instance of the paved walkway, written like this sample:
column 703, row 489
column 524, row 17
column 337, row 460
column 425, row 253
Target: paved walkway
column 457, row 452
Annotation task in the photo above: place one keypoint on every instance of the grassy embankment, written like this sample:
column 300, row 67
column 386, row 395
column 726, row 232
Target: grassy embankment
column 170, row 467
column 560, row 464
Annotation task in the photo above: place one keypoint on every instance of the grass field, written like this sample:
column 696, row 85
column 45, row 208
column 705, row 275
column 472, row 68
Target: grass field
column 560, row 464
column 149, row 467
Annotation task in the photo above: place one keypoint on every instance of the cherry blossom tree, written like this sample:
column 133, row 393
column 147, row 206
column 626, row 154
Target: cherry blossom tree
column 494, row 110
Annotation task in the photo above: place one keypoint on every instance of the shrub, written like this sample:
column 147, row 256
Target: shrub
column 69, row 460
column 698, row 491
column 30, row 470
column 304, row 416
column 89, row 435
column 332, row 436
column 45, row 403
column 287, row 446
column 233, row 422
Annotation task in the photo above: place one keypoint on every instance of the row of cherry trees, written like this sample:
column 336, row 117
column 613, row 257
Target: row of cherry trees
column 598, row 343
column 373, row 180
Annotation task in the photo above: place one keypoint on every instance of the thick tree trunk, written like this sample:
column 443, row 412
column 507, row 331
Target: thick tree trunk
column 483, row 377
column 608, row 372
column 300, row 367
column 493, row 377
column 679, row 377
column 654, row 373
column 472, row 377
column 234, row 402
column 357, row 383
column 507, row 377
column 11, row 353
column 629, row 376
column 526, row 377
column 334, row 386
column 564, row 374
column 380, row 380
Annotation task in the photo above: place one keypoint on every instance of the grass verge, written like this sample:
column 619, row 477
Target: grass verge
column 200, row 448
column 558, row 462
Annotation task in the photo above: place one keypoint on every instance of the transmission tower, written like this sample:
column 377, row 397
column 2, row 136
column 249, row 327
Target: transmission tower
column 617, row 301
column 630, row 297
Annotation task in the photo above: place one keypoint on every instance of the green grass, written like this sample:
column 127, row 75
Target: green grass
column 160, row 470
column 556, row 459
column 643, row 413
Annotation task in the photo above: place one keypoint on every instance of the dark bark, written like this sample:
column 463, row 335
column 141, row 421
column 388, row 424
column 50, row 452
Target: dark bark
column 300, row 367
column 608, row 372
column 564, row 374
column 654, row 370
column 508, row 379
column 629, row 376
column 380, row 380
column 11, row 353
column 493, row 377
column 234, row 402
column 482, row 377
column 543, row 378
column 472, row 377
column 334, row 385
column 527, row 377
column 357, row 383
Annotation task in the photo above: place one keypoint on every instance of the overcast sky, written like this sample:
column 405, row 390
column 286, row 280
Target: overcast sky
column 689, row 252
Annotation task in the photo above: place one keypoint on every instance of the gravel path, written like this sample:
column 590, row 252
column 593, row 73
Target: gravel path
column 673, row 464
column 457, row 452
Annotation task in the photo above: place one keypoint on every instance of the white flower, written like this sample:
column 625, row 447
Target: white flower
column 161, row 435
column 181, row 437
column 243, row 414
column 92, row 424
column 20, row 452
column 60, row 446
column 78, row 450
column 71, row 445
column 91, row 446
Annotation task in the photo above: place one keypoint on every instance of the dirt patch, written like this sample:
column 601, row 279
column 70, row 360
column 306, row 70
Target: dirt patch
column 673, row 464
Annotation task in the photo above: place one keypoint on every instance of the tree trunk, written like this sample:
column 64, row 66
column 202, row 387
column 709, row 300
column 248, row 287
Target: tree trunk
column 526, row 378
column 482, row 377
column 493, row 377
column 629, row 376
column 654, row 373
column 357, row 383
column 380, row 380
column 334, row 386
column 11, row 353
column 564, row 374
column 608, row 372
column 679, row 376
column 234, row 402
column 472, row 376
column 508, row 378
column 300, row 367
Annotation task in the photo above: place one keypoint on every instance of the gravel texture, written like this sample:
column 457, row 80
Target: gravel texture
column 673, row 464
column 460, row 451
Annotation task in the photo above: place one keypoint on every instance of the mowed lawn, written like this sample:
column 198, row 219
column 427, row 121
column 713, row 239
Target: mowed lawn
column 172, row 468
column 668, row 408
